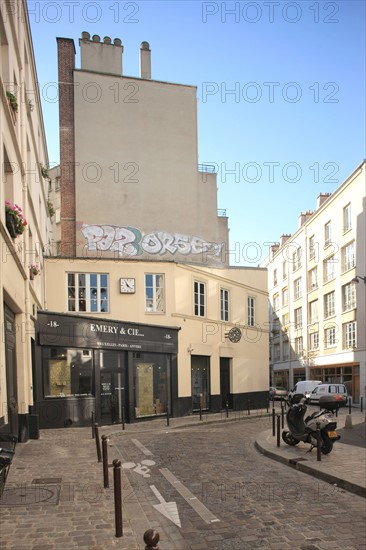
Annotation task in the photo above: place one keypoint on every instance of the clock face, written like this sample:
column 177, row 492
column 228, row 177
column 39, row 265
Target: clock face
column 127, row 286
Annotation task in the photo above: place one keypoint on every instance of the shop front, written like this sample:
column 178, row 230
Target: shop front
column 116, row 370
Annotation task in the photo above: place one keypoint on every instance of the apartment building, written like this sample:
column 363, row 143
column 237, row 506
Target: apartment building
column 317, row 287
column 144, row 315
column 24, row 217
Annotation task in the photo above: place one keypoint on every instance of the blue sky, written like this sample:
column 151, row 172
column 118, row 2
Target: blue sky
column 280, row 87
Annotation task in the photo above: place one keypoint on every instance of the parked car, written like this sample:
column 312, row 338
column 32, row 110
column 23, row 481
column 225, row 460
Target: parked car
column 304, row 387
column 337, row 390
column 277, row 392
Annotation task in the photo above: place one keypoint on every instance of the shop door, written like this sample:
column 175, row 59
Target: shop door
column 113, row 387
column 200, row 370
column 226, row 397
column 11, row 371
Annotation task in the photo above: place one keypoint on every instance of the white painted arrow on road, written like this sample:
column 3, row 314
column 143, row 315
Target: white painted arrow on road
column 168, row 509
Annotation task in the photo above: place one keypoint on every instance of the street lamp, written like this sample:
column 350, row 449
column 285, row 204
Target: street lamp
column 356, row 279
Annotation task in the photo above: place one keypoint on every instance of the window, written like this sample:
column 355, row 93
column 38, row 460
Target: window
column 350, row 335
column 347, row 224
column 329, row 304
column 312, row 247
column 284, row 270
column 284, row 296
column 224, row 304
column 313, row 278
column 286, row 351
column 349, row 297
column 327, row 233
column 199, row 299
column 297, row 289
column 299, row 346
column 154, row 292
column 274, row 277
column 285, row 319
column 348, row 256
column 314, row 340
column 330, row 337
column 276, row 301
column 313, row 311
column 251, row 311
column 328, row 269
column 298, row 317
column 88, row 292
column 67, row 372
column 276, row 352
column 296, row 259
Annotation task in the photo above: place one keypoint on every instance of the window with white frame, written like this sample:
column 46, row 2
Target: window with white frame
column 286, row 350
column 285, row 296
column 312, row 247
column 251, row 311
column 329, row 304
column 348, row 256
column 274, row 277
column 154, row 292
column 349, row 296
column 88, row 292
column 327, row 233
column 350, row 335
column 314, row 340
column 284, row 270
column 296, row 259
column 199, row 299
column 330, row 337
column 297, row 288
column 313, row 311
column 299, row 346
column 224, row 304
column 347, row 223
column 328, row 269
column 313, row 278
column 276, row 301
column 298, row 317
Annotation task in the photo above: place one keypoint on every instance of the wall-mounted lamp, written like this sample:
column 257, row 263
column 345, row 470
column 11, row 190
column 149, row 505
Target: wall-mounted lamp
column 356, row 279
column 190, row 349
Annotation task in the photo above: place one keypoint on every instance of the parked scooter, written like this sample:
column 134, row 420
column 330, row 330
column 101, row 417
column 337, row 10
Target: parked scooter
column 306, row 430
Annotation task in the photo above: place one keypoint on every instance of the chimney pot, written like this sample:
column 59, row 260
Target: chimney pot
column 145, row 60
column 85, row 35
column 107, row 40
column 96, row 38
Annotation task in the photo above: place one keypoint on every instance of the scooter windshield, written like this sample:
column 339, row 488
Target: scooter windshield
column 295, row 420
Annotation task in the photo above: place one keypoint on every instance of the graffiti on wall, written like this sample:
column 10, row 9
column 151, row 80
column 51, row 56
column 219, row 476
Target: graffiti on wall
column 130, row 241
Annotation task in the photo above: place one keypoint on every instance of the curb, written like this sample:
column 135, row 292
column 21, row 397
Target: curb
column 305, row 468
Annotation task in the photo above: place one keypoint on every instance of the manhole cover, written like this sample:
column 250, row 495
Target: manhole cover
column 30, row 495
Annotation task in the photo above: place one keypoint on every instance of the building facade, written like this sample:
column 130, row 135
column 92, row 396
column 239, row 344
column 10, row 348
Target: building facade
column 139, row 267
column 24, row 216
column 317, row 293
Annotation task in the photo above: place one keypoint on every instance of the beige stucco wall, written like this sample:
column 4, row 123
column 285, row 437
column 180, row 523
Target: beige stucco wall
column 136, row 167
column 198, row 336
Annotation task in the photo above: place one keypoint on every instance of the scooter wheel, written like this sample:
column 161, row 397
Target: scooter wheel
column 289, row 439
column 327, row 444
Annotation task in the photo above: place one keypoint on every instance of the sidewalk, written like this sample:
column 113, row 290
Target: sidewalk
column 55, row 500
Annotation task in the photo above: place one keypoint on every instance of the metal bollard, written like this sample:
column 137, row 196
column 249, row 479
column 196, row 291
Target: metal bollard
column 97, row 442
column 227, row 409
column 123, row 418
column 318, row 443
column 200, row 412
column 282, row 416
column 248, row 407
column 278, row 430
column 350, row 405
column 361, row 403
column 167, row 417
column 117, row 497
column 92, row 423
column 105, row 461
column 273, row 422
column 151, row 539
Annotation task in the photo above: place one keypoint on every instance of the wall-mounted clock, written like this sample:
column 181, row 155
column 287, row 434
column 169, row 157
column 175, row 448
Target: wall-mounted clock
column 127, row 285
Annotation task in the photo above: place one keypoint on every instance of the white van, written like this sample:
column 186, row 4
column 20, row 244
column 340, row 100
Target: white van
column 338, row 390
column 304, row 387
